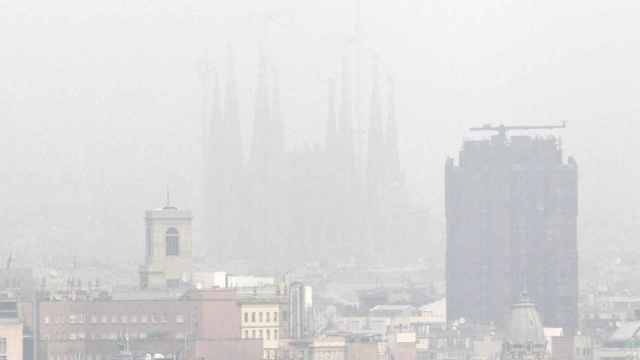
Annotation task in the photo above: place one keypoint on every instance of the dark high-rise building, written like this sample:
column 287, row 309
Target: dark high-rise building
column 511, row 208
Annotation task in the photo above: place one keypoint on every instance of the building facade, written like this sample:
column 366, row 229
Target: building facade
column 168, row 258
column 511, row 210
column 11, row 331
column 300, row 311
column 354, row 194
column 199, row 322
column 261, row 320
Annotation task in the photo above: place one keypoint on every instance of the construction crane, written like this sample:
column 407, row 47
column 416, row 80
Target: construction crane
column 501, row 130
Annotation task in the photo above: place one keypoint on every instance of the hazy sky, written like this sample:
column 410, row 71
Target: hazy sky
column 101, row 101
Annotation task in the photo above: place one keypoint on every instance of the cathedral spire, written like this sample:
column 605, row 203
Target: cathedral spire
column 259, row 147
column 393, row 165
column 232, row 135
column 277, row 126
column 375, row 123
column 346, row 108
column 375, row 142
column 213, row 135
column 215, row 122
column 345, row 128
column 331, row 131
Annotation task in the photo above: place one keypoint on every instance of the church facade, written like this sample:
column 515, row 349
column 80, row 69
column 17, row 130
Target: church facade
column 325, row 202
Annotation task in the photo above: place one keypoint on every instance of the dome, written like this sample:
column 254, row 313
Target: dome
column 525, row 326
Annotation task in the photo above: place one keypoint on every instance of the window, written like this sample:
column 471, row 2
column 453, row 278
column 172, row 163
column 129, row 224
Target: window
column 253, row 317
column 149, row 241
column 268, row 334
column 123, row 319
column 134, row 319
column 268, row 316
column 114, row 319
column 143, row 319
column 275, row 316
column 172, row 242
column 104, row 318
column 46, row 320
column 260, row 334
column 246, row 317
column 246, row 334
column 179, row 319
column 94, row 319
column 253, row 334
column 275, row 334
column 260, row 316
column 3, row 348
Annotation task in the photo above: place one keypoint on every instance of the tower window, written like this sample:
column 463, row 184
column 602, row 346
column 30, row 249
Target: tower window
column 3, row 348
column 173, row 242
column 149, row 242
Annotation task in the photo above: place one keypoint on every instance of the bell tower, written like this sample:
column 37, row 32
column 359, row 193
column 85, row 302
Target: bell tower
column 168, row 256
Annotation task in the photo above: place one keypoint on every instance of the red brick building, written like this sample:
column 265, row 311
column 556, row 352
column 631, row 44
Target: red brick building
column 198, row 325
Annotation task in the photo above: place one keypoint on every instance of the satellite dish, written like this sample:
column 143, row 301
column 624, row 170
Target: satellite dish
column 158, row 356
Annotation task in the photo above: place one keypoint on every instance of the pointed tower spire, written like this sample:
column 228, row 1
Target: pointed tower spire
column 393, row 165
column 215, row 103
column 374, row 138
column 376, row 109
column 231, row 132
column 259, row 147
column 331, row 131
column 346, row 108
column 346, row 124
column 216, row 123
column 277, row 141
column 215, row 169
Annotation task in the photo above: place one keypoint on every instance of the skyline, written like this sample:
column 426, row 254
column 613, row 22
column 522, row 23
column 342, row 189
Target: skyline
column 137, row 102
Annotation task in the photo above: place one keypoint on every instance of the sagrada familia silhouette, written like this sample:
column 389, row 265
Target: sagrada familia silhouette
column 327, row 203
